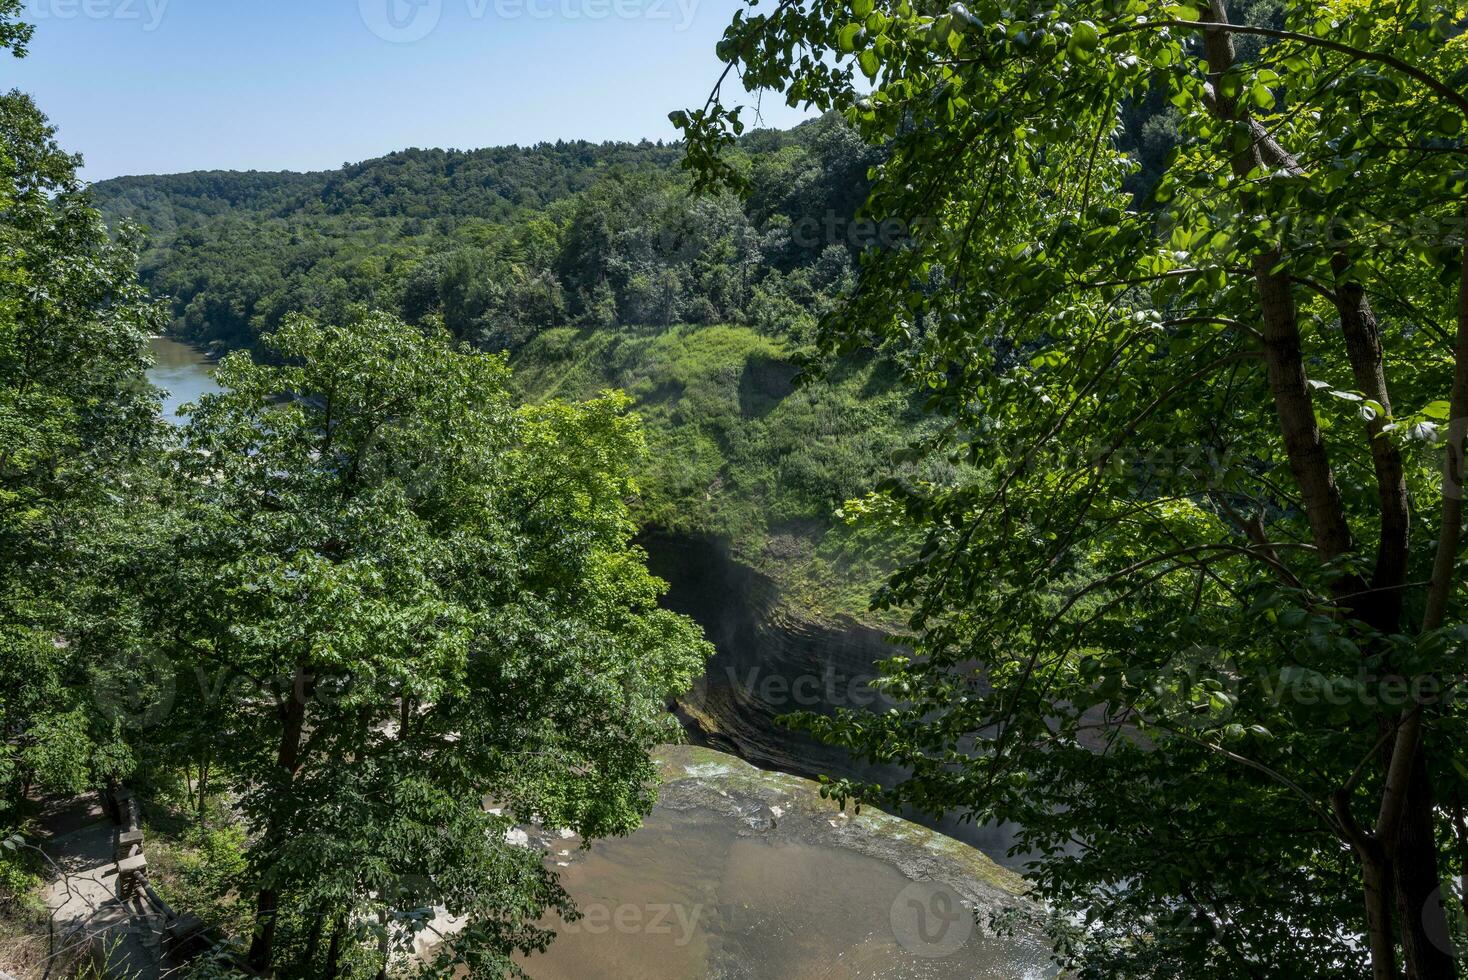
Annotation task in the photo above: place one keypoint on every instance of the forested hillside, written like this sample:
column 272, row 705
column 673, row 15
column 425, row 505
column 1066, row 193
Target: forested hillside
column 594, row 267
column 505, row 242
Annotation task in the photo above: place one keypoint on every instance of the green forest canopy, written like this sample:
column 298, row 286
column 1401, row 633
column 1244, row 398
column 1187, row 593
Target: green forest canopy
column 363, row 590
column 1195, row 618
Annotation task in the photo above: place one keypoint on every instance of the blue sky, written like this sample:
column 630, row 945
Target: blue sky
column 159, row 86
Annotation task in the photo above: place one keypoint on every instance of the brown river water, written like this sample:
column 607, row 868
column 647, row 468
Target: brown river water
column 717, row 885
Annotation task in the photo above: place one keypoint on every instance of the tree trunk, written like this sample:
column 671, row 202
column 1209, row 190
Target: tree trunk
column 1377, row 887
column 1419, row 897
column 293, row 721
column 384, row 946
column 1363, row 347
column 204, row 791
column 313, row 943
column 1288, row 384
column 1305, row 449
column 1423, row 912
column 1295, row 408
column 334, row 948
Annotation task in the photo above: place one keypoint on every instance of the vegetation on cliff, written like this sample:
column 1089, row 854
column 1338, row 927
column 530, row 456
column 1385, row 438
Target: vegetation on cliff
column 1195, row 621
column 595, row 268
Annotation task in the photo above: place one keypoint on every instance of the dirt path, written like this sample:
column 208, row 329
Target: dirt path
column 86, row 910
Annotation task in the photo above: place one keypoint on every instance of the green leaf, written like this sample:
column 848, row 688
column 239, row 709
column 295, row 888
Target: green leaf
column 1439, row 410
column 1085, row 37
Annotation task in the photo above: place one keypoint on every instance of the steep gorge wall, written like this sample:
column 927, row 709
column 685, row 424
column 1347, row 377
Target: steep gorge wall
column 770, row 663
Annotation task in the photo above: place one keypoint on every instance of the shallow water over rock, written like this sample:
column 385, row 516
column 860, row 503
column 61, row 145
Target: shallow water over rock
column 747, row 875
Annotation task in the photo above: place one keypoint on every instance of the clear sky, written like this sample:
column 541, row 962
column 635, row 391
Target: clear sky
column 159, row 86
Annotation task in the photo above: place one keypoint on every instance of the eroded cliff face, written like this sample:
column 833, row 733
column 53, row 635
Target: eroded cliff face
column 770, row 663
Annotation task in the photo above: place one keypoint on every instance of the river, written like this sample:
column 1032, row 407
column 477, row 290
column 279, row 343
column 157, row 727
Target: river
column 741, row 873
column 183, row 372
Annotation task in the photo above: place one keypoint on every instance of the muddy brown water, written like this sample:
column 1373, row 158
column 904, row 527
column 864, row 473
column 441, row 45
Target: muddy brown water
column 689, row 896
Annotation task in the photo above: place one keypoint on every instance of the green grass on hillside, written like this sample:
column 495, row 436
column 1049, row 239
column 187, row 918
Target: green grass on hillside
column 741, row 452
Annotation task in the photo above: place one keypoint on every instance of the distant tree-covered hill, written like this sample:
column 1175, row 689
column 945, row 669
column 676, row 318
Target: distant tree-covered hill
column 594, row 267
column 505, row 242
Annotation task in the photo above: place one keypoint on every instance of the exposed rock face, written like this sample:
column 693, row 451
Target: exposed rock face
column 770, row 664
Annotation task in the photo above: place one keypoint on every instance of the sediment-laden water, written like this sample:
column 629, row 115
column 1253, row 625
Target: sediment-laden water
column 741, row 874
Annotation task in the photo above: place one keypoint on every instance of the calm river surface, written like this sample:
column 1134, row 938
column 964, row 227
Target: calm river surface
column 183, row 372
column 741, row 874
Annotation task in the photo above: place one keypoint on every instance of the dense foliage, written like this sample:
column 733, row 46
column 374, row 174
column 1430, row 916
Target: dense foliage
column 413, row 597
column 1197, row 622
column 503, row 243
column 78, row 422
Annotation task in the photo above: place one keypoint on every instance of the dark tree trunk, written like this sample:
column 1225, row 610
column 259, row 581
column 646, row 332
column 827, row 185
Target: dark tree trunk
column 1295, row 408
column 1422, row 908
column 334, row 948
column 1419, row 897
column 313, row 943
column 1378, row 890
column 1383, row 879
column 204, row 791
column 293, row 722
column 1363, row 347
column 1288, row 384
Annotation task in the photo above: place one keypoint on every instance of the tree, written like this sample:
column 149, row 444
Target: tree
column 14, row 34
column 422, row 598
column 78, row 423
column 1195, row 617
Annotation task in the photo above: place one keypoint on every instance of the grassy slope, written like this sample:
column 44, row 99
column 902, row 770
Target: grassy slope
column 739, row 451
